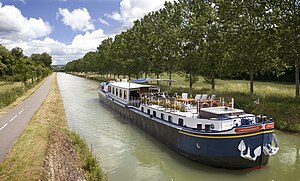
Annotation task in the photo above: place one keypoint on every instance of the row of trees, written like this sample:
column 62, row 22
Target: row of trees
column 213, row 39
column 14, row 66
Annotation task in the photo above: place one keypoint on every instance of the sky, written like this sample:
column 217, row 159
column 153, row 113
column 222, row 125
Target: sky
column 67, row 29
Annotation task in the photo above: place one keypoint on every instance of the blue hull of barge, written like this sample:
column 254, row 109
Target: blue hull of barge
column 214, row 150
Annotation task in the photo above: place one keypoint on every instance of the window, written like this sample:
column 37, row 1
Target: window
column 180, row 122
column 162, row 116
column 121, row 93
column 142, row 109
column 117, row 92
column 199, row 126
column 113, row 92
column 154, row 113
column 125, row 94
column 170, row 119
column 148, row 111
column 109, row 89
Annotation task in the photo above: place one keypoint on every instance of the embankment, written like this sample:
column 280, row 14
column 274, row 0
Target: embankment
column 47, row 150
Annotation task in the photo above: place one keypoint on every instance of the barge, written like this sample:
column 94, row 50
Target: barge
column 205, row 129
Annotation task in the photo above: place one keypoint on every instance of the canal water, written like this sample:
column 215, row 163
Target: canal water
column 127, row 153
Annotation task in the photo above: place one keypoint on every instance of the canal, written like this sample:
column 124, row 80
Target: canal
column 127, row 153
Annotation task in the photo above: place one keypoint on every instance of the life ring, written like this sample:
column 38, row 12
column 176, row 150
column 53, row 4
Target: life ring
column 205, row 105
column 215, row 104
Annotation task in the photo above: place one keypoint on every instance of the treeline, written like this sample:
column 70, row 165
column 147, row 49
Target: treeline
column 16, row 67
column 213, row 39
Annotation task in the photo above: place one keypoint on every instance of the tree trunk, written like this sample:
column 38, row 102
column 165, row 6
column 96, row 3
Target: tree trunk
column 251, row 82
column 157, row 76
column 213, row 83
column 191, row 82
column 170, row 77
column 297, row 76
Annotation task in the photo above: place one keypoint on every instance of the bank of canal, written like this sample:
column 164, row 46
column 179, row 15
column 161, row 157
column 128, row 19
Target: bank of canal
column 128, row 153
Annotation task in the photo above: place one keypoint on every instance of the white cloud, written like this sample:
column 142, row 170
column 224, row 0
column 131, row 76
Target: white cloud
column 103, row 21
column 31, row 35
column 88, row 41
column 13, row 25
column 131, row 10
column 61, row 53
column 78, row 19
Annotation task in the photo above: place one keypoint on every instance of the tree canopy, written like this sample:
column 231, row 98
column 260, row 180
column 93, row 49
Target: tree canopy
column 14, row 66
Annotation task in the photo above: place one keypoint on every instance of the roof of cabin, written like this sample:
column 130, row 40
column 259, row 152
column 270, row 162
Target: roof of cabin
column 127, row 85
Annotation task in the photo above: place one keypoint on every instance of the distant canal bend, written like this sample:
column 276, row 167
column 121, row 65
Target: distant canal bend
column 130, row 154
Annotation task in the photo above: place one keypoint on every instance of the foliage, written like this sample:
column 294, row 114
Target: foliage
column 16, row 67
column 90, row 165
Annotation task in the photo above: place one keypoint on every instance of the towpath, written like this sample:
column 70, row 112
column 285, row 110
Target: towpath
column 13, row 123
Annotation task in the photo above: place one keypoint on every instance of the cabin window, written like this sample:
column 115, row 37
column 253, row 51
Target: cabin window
column 162, row 116
column 109, row 89
column 120, row 93
column 170, row 119
column 199, row 126
column 125, row 94
column 154, row 113
column 142, row 109
column 117, row 92
column 113, row 92
column 148, row 111
column 180, row 122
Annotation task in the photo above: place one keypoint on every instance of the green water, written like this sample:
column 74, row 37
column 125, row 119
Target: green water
column 127, row 153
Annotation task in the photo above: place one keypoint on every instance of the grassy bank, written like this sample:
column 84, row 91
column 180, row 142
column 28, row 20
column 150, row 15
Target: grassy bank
column 276, row 99
column 48, row 127
column 10, row 91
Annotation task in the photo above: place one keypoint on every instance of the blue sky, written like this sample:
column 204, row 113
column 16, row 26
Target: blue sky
column 67, row 29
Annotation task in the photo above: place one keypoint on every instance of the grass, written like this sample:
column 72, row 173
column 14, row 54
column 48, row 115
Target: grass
column 10, row 91
column 25, row 159
column 91, row 165
column 18, row 98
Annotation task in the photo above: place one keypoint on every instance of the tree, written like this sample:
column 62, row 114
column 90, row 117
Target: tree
column 5, row 59
column 105, row 62
column 17, row 52
column 250, row 36
column 43, row 58
column 288, row 14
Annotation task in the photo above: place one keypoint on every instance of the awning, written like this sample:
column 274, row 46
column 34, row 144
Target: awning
column 149, row 80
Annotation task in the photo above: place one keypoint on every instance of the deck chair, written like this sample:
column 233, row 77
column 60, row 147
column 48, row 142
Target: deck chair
column 204, row 97
column 197, row 97
column 184, row 95
column 213, row 96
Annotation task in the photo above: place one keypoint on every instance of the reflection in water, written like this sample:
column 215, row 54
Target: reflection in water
column 128, row 153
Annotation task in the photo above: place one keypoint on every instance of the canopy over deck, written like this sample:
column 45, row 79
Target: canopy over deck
column 149, row 80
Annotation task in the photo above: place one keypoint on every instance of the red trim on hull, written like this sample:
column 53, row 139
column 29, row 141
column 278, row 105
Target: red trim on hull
column 269, row 126
column 248, row 129
column 256, row 168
